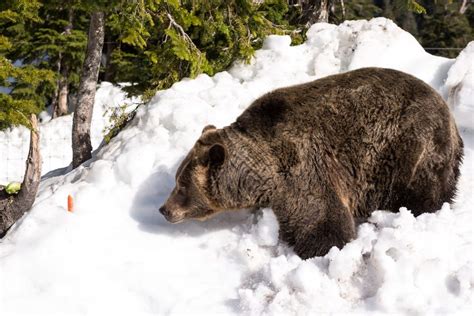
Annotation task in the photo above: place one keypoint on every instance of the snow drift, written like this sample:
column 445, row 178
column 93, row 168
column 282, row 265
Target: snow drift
column 116, row 254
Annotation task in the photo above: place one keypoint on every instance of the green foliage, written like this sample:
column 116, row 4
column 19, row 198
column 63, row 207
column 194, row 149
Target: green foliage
column 444, row 27
column 59, row 41
column 119, row 117
column 19, row 11
column 50, row 45
column 130, row 20
column 165, row 41
column 26, row 84
column 414, row 6
column 153, row 43
column 13, row 188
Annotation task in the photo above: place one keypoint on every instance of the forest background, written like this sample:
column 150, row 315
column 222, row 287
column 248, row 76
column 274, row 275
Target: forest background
column 150, row 44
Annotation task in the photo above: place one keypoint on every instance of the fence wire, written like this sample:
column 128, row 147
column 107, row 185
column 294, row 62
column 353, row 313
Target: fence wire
column 55, row 148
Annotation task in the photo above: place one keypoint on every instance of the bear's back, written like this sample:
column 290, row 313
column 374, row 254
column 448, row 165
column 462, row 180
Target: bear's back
column 361, row 106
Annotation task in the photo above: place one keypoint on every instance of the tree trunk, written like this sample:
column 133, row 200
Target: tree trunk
column 61, row 107
column 12, row 207
column 323, row 12
column 313, row 11
column 464, row 6
column 54, row 101
column 343, row 8
column 81, row 140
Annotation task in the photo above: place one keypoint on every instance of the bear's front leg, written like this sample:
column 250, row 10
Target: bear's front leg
column 317, row 225
column 323, row 236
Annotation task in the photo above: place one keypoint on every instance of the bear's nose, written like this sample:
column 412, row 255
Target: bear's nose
column 164, row 211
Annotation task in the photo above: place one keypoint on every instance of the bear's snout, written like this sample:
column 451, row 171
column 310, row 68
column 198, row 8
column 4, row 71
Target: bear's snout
column 164, row 211
column 172, row 217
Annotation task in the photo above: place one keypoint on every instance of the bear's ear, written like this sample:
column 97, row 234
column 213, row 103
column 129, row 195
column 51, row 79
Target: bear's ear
column 208, row 128
column 217, row 155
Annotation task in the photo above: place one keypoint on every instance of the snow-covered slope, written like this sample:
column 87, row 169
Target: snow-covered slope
column 117, row 255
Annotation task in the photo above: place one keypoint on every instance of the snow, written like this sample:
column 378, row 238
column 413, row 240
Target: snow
column 398, row 264
column 115, row 254
column 460, row 86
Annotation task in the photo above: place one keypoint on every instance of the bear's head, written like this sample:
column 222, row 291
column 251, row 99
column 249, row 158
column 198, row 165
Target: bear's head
column 192, row 196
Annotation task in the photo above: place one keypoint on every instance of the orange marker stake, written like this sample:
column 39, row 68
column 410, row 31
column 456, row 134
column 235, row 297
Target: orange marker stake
column 70, row 204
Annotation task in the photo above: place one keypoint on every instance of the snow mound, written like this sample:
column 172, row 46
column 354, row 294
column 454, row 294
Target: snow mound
column 398, row 264
column 116, row 253
column 460, row 87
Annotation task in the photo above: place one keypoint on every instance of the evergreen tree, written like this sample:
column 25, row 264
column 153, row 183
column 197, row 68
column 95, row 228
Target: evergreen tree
column 62, row 38
column 153, row 43
column 356, row 9
column 25, row 86
column 168, row 40
column 444, row 29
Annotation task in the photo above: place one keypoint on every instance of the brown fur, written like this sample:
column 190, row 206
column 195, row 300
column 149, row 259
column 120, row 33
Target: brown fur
column 324, row 155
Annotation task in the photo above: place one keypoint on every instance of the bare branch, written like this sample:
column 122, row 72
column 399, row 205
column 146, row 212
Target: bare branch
column 180, row 28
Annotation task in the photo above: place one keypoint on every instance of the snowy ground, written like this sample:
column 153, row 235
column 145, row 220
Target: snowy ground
column 117, row 255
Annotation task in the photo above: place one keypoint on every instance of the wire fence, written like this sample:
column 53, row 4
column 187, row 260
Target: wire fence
column 55, row 148
column 55, row 135
column 15, row 160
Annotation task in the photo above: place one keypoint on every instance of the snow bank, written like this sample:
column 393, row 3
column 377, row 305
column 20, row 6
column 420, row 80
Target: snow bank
column 398, row 264
column 55, row 138
column 116, row 253
column 460, row 87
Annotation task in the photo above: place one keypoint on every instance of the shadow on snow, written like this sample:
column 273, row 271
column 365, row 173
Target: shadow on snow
column 153, row 193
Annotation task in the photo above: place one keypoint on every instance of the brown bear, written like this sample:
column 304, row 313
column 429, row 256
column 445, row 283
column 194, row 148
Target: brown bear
column 325, row 154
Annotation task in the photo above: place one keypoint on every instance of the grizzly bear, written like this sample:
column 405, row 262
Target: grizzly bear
column 325, row 154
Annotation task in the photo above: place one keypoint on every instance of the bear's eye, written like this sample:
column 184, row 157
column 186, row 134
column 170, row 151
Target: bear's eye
column 181, row 190
column 181, row 196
